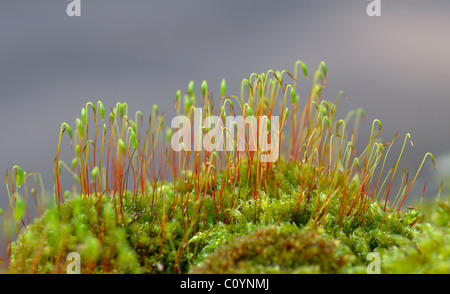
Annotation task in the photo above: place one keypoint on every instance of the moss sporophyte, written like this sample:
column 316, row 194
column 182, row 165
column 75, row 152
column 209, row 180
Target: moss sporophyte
column 146, row 198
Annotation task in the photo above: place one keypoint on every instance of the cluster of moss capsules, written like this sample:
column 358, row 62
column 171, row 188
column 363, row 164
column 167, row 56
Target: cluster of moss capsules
column 138, row 206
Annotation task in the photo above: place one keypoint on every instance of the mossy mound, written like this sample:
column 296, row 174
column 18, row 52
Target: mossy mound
column 274, row 250
column 135, row 240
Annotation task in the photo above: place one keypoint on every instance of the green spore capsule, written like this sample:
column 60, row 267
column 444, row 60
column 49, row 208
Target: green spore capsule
column 191, row 88
column 293, row 96
column 122, row 146
column 187, row 103
column 19, row 210
column 324, row 68
column 249, row 111
column 305, row 70
column 133, row 126
column 223, row 88
column 69, row 131
column 178, row 95
column 84, row 116
column 19, row 177
column 95, row 173
column 120, row 110
column 74, row 162
column 79, row 126
column 134, row 141
column 318, row 89
column 356, row 161
column 204, row 88
column 102, row 111
column 169, row 133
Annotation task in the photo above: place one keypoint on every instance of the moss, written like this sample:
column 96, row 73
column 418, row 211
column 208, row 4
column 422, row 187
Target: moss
column 276, row 249
column 279, row 243
column 319, row 208
column 428, row 253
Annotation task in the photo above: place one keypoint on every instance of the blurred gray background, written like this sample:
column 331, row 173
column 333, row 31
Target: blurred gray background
column 396, row 66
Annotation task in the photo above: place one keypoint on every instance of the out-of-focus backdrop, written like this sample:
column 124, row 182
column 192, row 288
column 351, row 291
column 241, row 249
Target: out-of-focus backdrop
column 395, row 66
